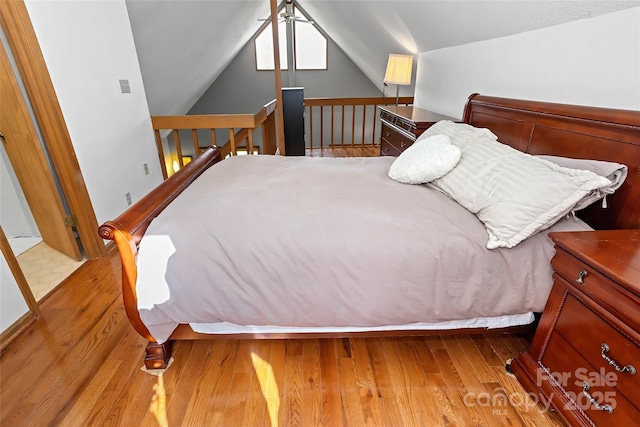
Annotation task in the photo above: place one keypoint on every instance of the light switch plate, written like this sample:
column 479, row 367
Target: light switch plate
column 124, row 86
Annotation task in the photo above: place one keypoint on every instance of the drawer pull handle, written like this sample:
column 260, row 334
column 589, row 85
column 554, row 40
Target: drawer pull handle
column 403, row 144
column 387, row 134
column 594, row 402
column 629, row 368
column 386, row 148
column 581, row 276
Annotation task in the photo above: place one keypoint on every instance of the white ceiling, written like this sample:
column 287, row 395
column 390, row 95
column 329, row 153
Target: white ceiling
column 184, row 45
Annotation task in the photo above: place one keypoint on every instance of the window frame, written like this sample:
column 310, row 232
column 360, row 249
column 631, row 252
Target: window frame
column 295, row 50
column 255, row 50
column 295, row 43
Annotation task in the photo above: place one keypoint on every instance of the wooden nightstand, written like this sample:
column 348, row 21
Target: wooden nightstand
column 586, row 351
column 401, row 126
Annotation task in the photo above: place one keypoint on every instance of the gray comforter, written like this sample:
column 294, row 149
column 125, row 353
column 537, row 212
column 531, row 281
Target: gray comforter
column 297, row 241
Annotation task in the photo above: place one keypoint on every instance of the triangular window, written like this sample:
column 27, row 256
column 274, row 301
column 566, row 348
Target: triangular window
column 309, row 44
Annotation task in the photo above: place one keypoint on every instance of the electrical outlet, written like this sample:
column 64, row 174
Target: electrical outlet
column 124, row 86
column 146, row 168
column 128, row 196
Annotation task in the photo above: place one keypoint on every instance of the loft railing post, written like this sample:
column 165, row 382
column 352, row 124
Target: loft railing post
column 269, row 133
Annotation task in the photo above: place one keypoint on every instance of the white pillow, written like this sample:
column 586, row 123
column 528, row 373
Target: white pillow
column 614, row 172
column 425, row 160
column 514, row 194
column 459, row 133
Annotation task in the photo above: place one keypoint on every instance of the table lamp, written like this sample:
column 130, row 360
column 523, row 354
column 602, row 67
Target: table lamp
column 399, row 71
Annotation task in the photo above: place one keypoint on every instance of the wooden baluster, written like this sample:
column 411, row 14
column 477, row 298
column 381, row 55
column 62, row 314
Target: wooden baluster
column 375, row 119
column 364, row 121
column 342, row 138
column 232, row 141
column 311, row 127
column 332, row 119
column 213, row 137
column 176, row 141
column 321, row 126
column 353, row 125
column 163, row 164
column 249, row 141
column 196, row 144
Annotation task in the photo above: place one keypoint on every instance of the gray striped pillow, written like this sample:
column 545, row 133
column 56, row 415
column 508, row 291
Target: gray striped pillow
column 514, row 194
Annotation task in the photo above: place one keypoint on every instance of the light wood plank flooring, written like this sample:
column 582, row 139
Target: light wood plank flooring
column 347, row 151
column 80, row 365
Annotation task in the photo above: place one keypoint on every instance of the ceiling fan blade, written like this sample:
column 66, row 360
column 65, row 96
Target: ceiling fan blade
column 286, row 17
column 302, row 20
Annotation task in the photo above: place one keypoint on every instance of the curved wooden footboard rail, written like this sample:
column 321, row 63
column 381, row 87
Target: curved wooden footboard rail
column 127, row 231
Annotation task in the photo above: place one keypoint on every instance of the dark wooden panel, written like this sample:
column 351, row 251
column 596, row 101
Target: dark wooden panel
column 508, row 130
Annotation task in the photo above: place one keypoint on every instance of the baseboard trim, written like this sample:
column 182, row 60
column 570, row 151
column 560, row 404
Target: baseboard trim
column 14, row 331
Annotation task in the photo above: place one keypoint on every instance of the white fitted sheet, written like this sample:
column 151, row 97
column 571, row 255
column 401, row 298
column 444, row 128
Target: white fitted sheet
column 478, row 322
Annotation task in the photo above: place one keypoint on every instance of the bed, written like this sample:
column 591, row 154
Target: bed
column 329, row 290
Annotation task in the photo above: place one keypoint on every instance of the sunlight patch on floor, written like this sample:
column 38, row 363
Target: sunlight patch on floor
column 268, row 385
column 158, row 406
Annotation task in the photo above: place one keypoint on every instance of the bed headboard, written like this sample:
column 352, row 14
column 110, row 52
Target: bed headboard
column 571, row 131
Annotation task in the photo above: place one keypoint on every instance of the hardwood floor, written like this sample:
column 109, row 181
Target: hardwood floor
column 80, row 365
column 347, row 151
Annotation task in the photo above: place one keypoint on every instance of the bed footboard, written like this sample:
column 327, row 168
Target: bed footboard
column 127, row 231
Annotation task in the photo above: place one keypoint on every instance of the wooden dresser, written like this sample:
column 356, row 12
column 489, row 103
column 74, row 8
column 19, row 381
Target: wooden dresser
column 401, row 126
column 585, row 355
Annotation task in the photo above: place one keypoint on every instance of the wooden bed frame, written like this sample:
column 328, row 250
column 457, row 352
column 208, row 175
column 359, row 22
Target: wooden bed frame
column 529, row 126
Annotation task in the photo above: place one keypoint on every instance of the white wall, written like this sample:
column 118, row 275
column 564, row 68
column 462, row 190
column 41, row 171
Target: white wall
column 12, row 303
column 589, row 62
column 15, row 215
column 88, row 46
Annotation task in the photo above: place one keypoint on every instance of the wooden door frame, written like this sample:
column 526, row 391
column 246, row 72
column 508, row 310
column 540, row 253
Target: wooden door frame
column 12, row 332
column 16, row 24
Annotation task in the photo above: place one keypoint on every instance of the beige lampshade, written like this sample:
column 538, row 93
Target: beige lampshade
column 399, row 69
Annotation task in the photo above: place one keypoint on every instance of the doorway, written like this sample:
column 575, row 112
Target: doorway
column 43, row 267
column 35, row 214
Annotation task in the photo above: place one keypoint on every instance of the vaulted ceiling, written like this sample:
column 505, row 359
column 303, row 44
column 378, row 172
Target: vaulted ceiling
column 184, row 45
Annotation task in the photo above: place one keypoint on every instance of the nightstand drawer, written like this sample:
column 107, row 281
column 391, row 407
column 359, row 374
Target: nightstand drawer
column 571, row 370
column 593, row 284
column 385, row 115
column 587, row 332
column 388, row 149
column 395, row 139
